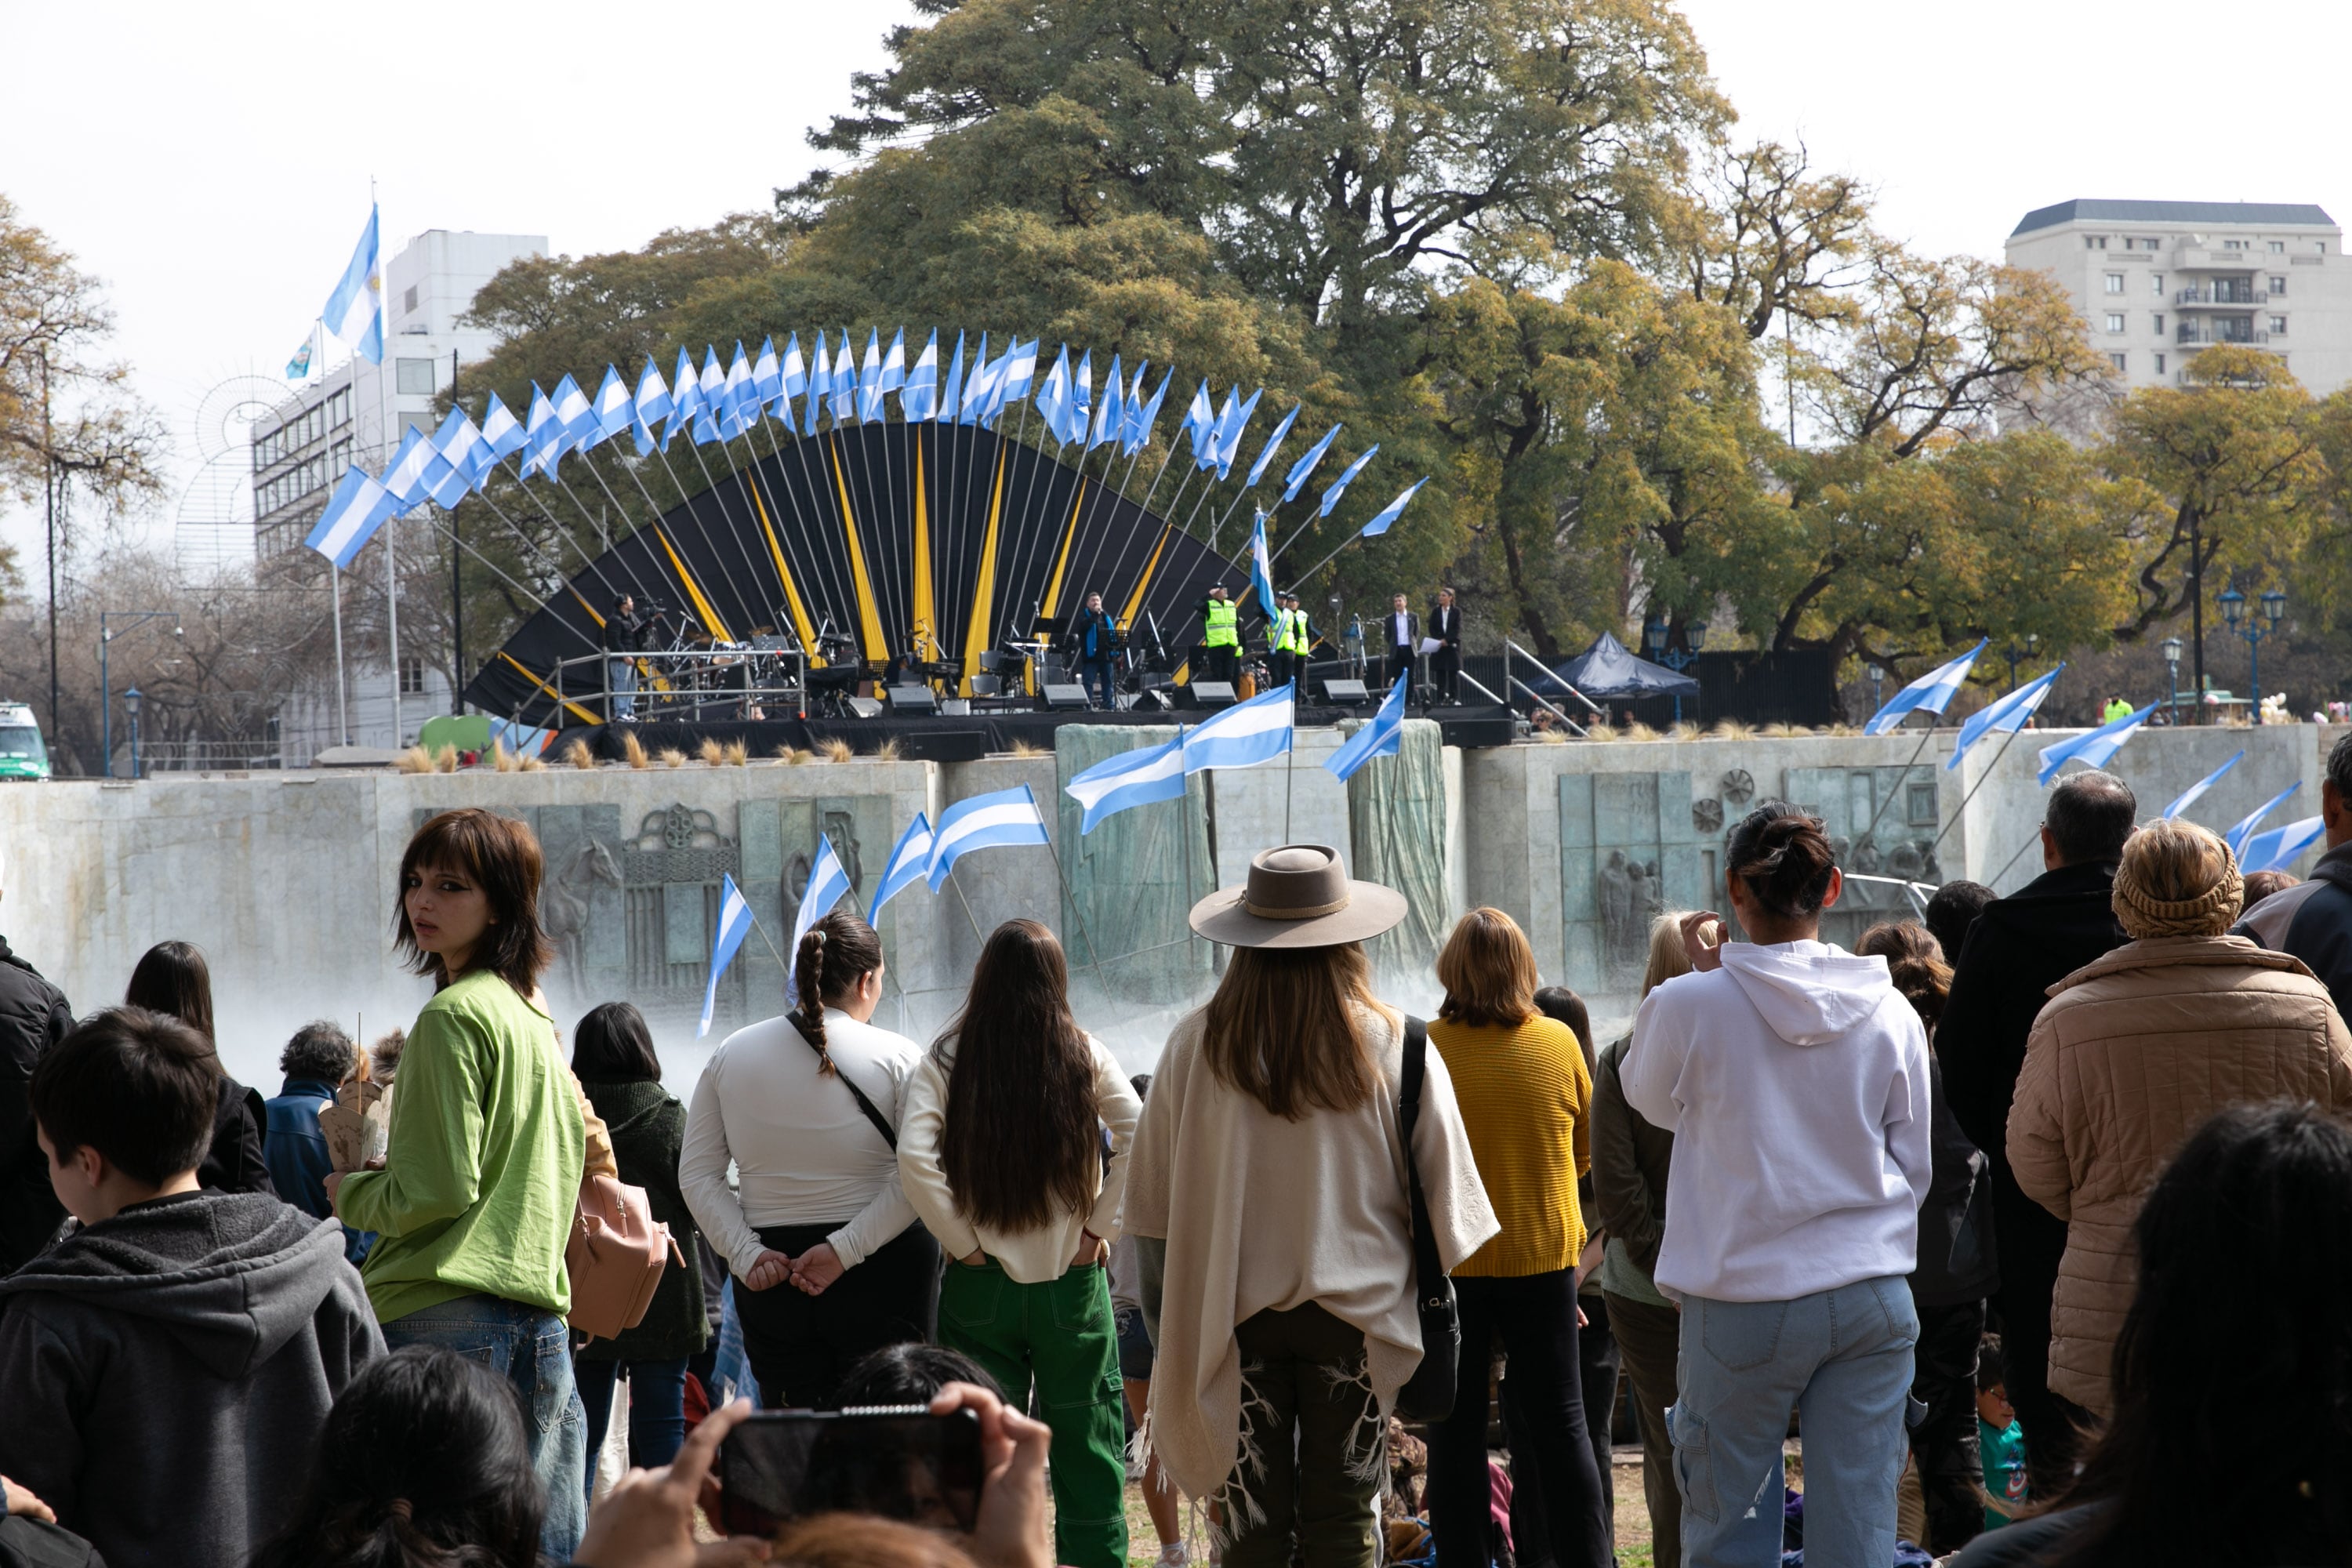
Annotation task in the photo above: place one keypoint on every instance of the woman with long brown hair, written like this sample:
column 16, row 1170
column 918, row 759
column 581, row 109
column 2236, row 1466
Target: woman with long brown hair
column 1288, row 1319
column 172, row 977
column 488, row 1145
column 1002, row 1154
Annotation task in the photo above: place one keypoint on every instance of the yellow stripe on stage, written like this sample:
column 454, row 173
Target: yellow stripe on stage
column 869, row 620
column 800, row 622
column 1062, row 561
column 1143, row 583
column 587, row 606
column 585, row 717
column 925, row 625
column 975, row 633
column 710, row 621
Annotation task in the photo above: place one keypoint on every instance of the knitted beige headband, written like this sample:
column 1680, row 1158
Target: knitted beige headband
column 2210, row 913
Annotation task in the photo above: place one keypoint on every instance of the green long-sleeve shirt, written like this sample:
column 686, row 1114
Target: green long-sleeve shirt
column 483, row 1164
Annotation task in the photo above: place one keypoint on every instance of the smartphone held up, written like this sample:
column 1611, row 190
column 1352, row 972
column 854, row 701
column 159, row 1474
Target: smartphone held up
column 900, row 1462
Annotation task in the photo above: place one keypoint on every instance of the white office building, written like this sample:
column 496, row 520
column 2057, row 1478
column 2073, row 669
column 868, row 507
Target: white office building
column 2158, row 282
column 359, row 412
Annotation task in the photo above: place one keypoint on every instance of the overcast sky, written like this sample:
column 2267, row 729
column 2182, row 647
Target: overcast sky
column 220, row 189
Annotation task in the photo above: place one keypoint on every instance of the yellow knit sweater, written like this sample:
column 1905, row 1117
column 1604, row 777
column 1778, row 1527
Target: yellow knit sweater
column 1527, row 1101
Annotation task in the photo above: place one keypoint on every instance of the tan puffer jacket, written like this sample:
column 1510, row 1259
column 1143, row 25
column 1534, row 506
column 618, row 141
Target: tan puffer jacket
column 2131, row 1055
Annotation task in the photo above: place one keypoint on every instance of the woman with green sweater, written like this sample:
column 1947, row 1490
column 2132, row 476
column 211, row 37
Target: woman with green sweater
column 486, row 1147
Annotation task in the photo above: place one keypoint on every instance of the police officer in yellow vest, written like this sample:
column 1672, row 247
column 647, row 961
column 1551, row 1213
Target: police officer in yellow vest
column 1222, row 619
column 1288, row 640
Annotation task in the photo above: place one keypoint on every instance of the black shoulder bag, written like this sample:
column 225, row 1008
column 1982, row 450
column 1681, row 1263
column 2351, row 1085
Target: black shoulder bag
column 1428, row 1395
column 881, row 1122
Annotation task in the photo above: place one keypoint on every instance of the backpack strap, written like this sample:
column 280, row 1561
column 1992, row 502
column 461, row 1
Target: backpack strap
column 881, row 1122
column 1416, row 1071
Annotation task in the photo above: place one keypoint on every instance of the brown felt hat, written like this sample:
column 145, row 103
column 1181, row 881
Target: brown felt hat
column 1297, row 896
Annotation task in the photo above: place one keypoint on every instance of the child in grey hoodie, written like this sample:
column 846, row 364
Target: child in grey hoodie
column 166, row 1367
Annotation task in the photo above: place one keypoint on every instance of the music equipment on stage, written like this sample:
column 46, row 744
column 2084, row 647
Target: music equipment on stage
column 1206, row 695
column 1056, row 694
column 1041, row 625
column 947, row 670
column 944, row 746
column 865, row 707
column 913, row 700
column 1472, row 725
column 835, row 677
column 1154, row 701
column 1345, row 693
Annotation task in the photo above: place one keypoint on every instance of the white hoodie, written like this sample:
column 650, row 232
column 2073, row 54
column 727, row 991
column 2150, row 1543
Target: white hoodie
column 1795, row 1081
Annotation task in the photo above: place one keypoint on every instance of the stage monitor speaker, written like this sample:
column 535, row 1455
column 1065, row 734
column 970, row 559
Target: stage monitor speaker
column 1061, row 694
column 1205, row 694
column 1150, row 701
column 1474, row 725
column 1345, row 693
column 913, row 700
column 944, row 746
column 865, row 707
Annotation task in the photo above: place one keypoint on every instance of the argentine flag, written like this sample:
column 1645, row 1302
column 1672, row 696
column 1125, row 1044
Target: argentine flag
column 1199, row 422
column 576, row 418
column 1331, row 496
column 1143, row 412
column 652, row 403
column 616, row 409
column 951, row 387
column 354, row 311
column 2094, row 748
column 734, row 925
column 1272, row 445
column 919, row 398
column 457, row 443
column 1229, row 445
column 416, row 468
column 2196, row 792
column 1262, row 570
column 543, row 434
column 1393, row 511
column 1008, row 816
column 909, row 863
column 353, row 513
column 826, row 883
column 1305, row 466
column 501, row 431
column 1131, row 779
column 1245, row 735
column 1380, row 737
column 2006, row 717
column 1933, row 691
column 2236, row 837
column 2277, row 850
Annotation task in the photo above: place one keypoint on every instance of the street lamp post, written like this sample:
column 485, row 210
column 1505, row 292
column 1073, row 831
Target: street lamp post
column 1675, row 659
column 2015, row 655
column 2274, row 610
column 106, row 692
column 131, row 700
column 2171, row 647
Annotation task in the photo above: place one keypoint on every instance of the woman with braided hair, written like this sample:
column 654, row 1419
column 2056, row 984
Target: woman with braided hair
column 829, row 1262
column 2134, row 1052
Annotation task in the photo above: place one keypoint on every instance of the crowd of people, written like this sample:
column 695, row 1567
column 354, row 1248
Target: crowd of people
column 2029, row 1214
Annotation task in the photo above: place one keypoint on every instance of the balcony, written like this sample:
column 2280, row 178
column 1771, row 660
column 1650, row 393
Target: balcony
column 2198, row 334
column 2198, row 258
column 2222, row 294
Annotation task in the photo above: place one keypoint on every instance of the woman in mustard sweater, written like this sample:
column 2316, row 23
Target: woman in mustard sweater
column 1527, row 1102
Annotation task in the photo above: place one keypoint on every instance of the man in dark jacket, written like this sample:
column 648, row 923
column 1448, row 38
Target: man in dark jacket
column 315, row 1062
column 32, row 1017
column 2313, row 919
column 2020, row 947
column 167, row 1368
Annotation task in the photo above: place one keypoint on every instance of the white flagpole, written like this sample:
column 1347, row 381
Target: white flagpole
column 342, row 714
column 384, row 449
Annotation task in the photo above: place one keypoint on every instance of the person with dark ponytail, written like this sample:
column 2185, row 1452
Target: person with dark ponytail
column 1794, row 1078
column 829, row 1262
column 172, row 977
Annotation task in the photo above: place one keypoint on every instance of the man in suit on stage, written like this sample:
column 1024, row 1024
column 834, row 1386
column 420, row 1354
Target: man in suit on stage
column 1446, row 663
column 1093, row 636
column 1403, row 640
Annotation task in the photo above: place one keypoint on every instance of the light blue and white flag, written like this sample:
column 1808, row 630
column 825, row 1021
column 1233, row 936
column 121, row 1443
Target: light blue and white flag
column 2236, row 837
column 1262, row 570
column 738, row 403
column 1347, row 476
column 1272, row 445
column 767, row 376
column 1393, row 511
column 501, row 430
column 1008, row 816
column 975, row 385
column 2093, row 748
column 1143, row 413
column 353, row 513
column 1130, row 779
column 919, row 398
column 652, row 403
column 1380, row 737
column 795, row 381
column 820, row 385
column 574, row 413
column 1206, row 449
column 951, row 387
column 543, row 433
column 457, row 443
column 616, row 409
column 1201, row 425
column 869, row 378
column 2003, row 716
column 1020, row 372
column 1112, row 413
column 1245, row 734
column 1229, row 444
column 298, row 367
column 685, row 398
column 894, row 373
column 412, row 473
column 734, row 925
column 845, row 381
column 1053, row 395
column 713, row 385
column 2196, row 792
column 1933, row 692
column 354, row 311
column 2277, row 849
column 1081, row 397
column 1300, row 470
column 911, row 861
column 827, row 882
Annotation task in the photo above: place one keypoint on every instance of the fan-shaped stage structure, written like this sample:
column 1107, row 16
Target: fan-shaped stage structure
column 921, row 545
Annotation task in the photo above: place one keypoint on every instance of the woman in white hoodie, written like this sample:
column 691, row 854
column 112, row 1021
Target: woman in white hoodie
column 1794, row 1079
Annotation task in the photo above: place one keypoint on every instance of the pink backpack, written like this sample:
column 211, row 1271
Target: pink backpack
column 615, row 1257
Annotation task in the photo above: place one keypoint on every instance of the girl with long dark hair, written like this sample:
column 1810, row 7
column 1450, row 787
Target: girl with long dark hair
column 1002, row 1154
column 1794, row 1079
column 488, row 1145
column 172, row 977
column 828, row 1261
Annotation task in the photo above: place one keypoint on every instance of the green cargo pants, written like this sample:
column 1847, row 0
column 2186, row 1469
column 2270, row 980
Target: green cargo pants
column 1061, row 1337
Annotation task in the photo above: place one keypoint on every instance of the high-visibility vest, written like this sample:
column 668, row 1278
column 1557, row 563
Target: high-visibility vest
column 1293, row 633
column 1224, row 623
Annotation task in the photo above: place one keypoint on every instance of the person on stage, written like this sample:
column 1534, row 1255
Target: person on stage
column 1288, row 640
column 1095, row 636
column 1404, row 639
column 1221, row 636
column 624, row 635
column 1446, row 663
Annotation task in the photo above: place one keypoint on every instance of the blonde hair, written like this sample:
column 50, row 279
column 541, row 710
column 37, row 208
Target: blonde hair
column 1667, row 958
column 2177, row 880
column 1488, row 970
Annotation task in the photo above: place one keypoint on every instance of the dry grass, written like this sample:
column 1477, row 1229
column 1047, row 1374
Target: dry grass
column 835, row 750
column 502, row 760
column 670, row 757
column 1733, row 730
column 1784, row 732
column 711, row 753
column 633, row 751
column 445, row 761
column 1685, row 731
column 416, row 760
column 1637, row 730
column 889, row 751
column 1842, row 729
column 578, row 755
column 735, row 754
column 531, row 765
column 793, row 757
column 1022, row 748
column 1553, row 737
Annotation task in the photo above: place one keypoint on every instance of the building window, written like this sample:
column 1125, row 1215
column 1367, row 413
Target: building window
column 2159, row 364
column 2233, row 245
column 2278, row 247
column 2115, row 321
column 2094, row 242
column 2159, row 323
column 416, row 377
column 2114, row 282
column 408, row 299
column 411, row 676
column 2278, row 285
column 2278, row 326
column 2156, row 279
column 2120, row 362
column 2320, row 245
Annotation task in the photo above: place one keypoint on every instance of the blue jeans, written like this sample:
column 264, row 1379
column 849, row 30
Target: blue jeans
column 531, row 1349
column 624, row 672
column 657, row 1408
column 1842, row 1360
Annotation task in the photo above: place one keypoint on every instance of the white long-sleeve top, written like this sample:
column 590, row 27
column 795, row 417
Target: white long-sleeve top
column 805, row 1153
column 1794, row 1080
column 1032, row 1257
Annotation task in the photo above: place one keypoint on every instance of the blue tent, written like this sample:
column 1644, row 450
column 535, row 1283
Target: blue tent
column 1608, row 669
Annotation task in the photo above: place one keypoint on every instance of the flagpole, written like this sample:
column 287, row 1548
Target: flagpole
column 343, row 711
column 2021, row 848
column 1289, row 759
column 1901, row 779
column 969, row 919
column 1959, row 810
column 1318, row 566
column 384, row 447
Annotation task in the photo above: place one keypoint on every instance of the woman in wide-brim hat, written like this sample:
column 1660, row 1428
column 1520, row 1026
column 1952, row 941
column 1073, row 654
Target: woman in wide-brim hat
column 1271, row 1164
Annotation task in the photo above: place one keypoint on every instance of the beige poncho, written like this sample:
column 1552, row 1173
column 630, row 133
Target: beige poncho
column 1260, row 1212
